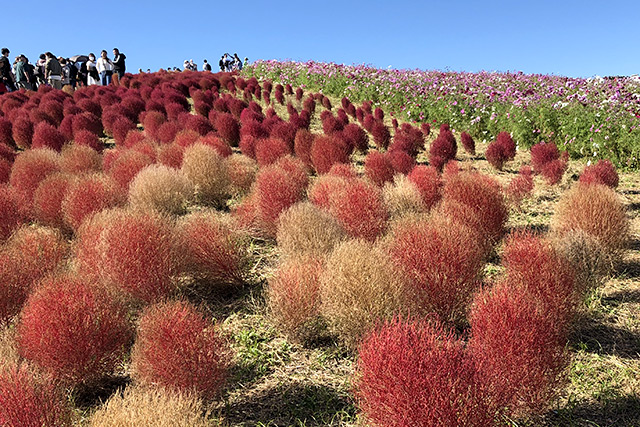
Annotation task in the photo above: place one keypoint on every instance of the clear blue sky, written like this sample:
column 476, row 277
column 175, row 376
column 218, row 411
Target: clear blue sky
column 573, row 38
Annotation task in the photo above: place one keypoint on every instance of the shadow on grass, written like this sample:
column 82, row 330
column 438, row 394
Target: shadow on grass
column 595, row 336
column 90, row 395
column 634, row 206
column 292, row 404
column 622, row 411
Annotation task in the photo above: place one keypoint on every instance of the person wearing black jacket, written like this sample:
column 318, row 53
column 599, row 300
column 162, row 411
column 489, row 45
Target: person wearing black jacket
column 118, row 63
column 6, row 76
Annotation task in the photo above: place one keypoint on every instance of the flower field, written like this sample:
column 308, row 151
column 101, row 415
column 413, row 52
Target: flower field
column 597, row 118
column 193, row 249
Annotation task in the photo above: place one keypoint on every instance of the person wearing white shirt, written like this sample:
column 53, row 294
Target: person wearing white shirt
column 105, row 68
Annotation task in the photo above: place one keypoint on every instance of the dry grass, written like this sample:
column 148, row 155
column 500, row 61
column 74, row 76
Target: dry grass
column 305, row 229
column 208, row 172
column 160, row 188
column 402, row 197
column 152, row 408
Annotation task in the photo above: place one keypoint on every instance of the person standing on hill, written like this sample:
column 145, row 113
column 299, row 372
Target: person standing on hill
column 206, row 66
column 221, row 63
column 105, row 68
column 6, row 76
column 93, row 78
column 53, row 71
column 118, row 63
column 22, row 77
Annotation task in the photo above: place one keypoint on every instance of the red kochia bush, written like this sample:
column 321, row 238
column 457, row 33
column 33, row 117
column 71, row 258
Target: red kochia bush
column 22, row 131
column 89, row 194
column 483, row 196
column 326, row 151
column 533, row 266
column 228, row 128
column 602, row 172
column 47, row 136
column 30, row 168
column 271, row 149
column 543, row 153
column 356, row 137
column 443, row 149
column 302, row 146
column 30, row 254
column 5, row 132
column 10, row 216
column 73, row 330
column 86, row 138
column 177, row 347
column 275, row 191
column 359, row 208
column 416, row 373
column 381, row 134
column 554, row 170
column 378, row 168
column 443, row 260
column 517, row 348
column 468, row 143
column 214, row 249
column 427, row 180
column 521, row 185
column 507, row 144
column 27, row 400
column 86, row 122
column 47, row 200
column 496, row 155
column 136, row 253
column 126, row 166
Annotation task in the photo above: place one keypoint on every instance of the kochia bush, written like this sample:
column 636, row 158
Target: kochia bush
column 73, row 330
column 178, row 348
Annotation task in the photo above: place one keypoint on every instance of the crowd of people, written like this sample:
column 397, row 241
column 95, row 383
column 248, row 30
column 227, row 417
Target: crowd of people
column 57, row 72
column 227, row 63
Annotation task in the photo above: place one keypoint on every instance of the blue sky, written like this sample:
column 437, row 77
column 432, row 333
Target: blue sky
column 573, row 38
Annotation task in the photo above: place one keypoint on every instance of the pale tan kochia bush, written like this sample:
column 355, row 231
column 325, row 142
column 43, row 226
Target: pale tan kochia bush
column 8, row 348
column 402, row 197
column 597, row 211
column 161, row 188
column 305, row 229
column 294, row 297
column 591, row 261
column 208, row 172
column 242, row 173
column 359, row 288
column 151, row 407
column 76, row 158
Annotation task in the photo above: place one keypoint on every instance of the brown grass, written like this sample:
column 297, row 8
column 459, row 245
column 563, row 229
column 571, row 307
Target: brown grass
column 359, row 288
column 305, row 229
column 402, row 197
column 208, row 172
column 160, row 188
column 152, row 408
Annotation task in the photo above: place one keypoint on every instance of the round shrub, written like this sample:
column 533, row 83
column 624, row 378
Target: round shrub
column 47, row 136
column 28, row 400
column 543, row 153
column 381, row 135
column 228, row 128
column 427, row 181
column 139, row 405
column 77, row 159
column 214, row 249
column 602, row 172
column 86, row 138
column 597, row 211
column 89, row 194
column 47, row 200
column 305, row 230
column 242, row 173
column 360, row 287
column 178, row 348
column 72, row 330
column 402, row 197
column 161, row 188
column 275, row 191
column 468, row 143
column 269, row 150
column 359, row 208
column 208, row 172
column 417, row 373
column 442, row 260
column 126, row 166
column 326, row 151
column 378, row 168
column 171, row 155
column 10, row 215
column 30, row 168
column 86, row 122
column 483, row 196
column 517, row 348
column 22, row 131
column 443, row 149
column 294, row 297
column 132, row 252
